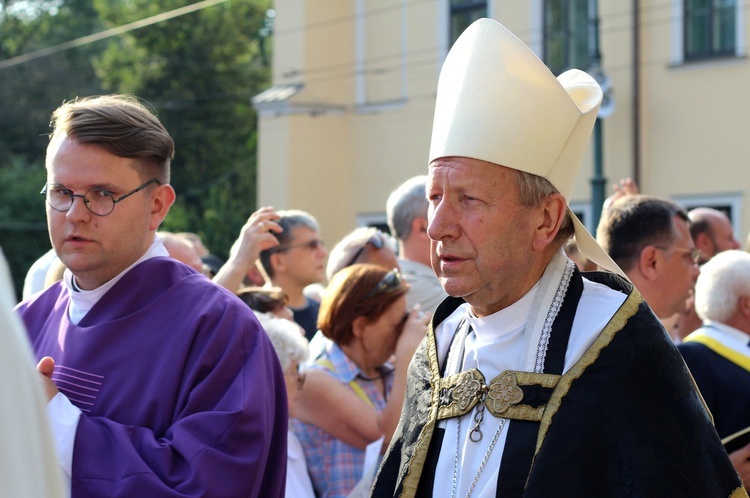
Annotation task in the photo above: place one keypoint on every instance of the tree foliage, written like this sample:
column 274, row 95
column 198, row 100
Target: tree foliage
column 198, row 71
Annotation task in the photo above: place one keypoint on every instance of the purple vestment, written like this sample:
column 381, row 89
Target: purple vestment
column 181, row 390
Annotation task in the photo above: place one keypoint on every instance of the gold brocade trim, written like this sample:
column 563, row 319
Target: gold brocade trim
column 739, row 493
column 628, row 309
column 531, row 379
column 416, row 463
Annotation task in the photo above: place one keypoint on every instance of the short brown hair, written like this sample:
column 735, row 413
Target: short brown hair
column 119, row 124
column 346, row 298
column 635, row 221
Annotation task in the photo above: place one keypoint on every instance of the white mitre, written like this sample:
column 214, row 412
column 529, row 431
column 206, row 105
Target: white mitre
column 498, row 102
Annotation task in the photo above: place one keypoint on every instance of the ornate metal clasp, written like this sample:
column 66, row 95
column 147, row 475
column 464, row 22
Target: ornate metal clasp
column 503, row 392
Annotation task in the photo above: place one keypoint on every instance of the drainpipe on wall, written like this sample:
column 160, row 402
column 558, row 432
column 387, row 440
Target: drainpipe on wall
column 636, row 173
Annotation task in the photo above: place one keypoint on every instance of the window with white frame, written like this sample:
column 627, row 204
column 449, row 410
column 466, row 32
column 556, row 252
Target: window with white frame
column 709, row 29
column 566, row 25
column 463, row 13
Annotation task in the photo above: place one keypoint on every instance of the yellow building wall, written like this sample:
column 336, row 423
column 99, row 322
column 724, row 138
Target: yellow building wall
column 362, row 123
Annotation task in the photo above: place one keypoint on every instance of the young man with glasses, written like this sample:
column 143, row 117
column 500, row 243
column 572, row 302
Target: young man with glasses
column 159, row 382
column 295, row 263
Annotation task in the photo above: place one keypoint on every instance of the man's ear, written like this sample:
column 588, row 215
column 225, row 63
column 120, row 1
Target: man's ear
column 278, row 263
column 162, row 201
column 552, row 211
column 649, row 262
column 704, row 243
column 743, row 306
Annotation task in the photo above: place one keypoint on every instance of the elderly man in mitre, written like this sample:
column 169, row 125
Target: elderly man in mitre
column 535, row 380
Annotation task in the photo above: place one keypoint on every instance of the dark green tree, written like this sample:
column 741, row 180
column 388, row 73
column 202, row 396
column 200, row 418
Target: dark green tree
column 29, row 92
column 199, row 71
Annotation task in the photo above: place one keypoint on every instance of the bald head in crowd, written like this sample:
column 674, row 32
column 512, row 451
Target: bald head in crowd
column 711, row 231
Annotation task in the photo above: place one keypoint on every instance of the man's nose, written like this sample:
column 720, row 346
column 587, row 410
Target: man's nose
column 78, row 209
column 442, row 222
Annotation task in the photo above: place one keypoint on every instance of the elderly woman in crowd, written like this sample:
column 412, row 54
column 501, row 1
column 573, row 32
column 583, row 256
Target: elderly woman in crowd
column 290, row 344
column 364, row 314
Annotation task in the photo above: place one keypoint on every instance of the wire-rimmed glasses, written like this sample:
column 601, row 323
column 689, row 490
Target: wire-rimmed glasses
column 98, row 201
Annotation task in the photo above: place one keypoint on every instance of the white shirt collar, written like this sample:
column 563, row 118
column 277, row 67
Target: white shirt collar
column 725, row 329
column 81, row 301
column 505, row 321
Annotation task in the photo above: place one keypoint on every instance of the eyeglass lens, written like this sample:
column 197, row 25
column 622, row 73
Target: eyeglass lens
column 98, row 201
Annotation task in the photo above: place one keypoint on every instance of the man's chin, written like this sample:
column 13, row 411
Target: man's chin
column 454, row 287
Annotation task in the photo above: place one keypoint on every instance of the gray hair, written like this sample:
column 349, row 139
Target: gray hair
column 534, row 189
column 287, row 339
column 343, row 253
column 724, row 279
column 405, row 204
column 289, row 220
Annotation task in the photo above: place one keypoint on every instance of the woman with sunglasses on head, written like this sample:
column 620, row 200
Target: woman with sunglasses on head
column 364, row 314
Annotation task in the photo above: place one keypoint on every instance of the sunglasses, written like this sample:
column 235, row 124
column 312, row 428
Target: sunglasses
column 313, row 245
column 391, row 281
column 377, row 240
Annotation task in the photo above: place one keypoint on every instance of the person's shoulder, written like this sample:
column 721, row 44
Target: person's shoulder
column 45, row 298
column 195, row 291
column 606, row 282
column 692, row 348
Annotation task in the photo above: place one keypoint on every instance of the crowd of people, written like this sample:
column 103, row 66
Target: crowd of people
column 471, row 351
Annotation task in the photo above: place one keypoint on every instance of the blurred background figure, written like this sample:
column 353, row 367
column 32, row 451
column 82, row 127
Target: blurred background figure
column 574, row 254
column 211, row 265
column 364, row 314
column 195, row 240
column 55, row 272
column 182, row 250
column 712, row 232
column 363, row 245
column 28, row 463
column 291, row 346
column 718, row 354
column 298, row 260
column 406, row 210
column 242, row 267
column 267, row 300
column 624, row 187
column 649, row 239
column 37, row 274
